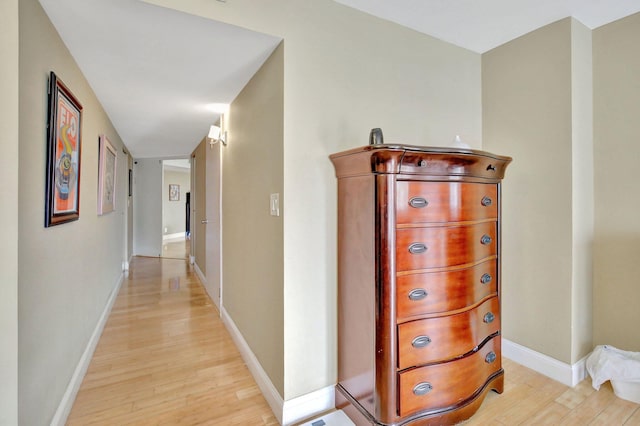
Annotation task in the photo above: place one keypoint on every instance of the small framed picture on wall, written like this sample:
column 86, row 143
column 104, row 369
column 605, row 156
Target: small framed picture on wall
column 108, row 157
column 174, row 192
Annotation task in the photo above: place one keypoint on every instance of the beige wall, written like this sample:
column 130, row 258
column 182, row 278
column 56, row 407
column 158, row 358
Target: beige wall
column 66, row 272
column 252, row 239
column 173, row 212
column 345, row 73
column 582, row 203
column 198, row 205
column 617, row 197
column 526, row 89
column 571, row 266
column 9, row 213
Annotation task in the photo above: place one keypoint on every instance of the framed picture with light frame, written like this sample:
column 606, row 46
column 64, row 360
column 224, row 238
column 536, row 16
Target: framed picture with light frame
column 174, row 192
column 106, row 176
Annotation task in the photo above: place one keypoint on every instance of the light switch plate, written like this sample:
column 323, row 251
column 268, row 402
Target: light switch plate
column 275, row 204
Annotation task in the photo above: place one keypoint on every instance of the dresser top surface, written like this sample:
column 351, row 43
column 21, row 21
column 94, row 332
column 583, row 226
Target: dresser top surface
column 420, row 149
column 411, row 160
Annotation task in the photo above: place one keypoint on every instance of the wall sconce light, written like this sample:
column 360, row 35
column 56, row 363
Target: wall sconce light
column 217, row 135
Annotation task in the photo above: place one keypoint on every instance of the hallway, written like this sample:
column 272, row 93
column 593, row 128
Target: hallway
column 165, row 357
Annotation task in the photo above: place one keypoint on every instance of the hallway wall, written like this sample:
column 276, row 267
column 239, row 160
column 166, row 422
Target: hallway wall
column 147, row 207
column 66, row 272
column 199, row 205
column 9, row 212
column 250, row 235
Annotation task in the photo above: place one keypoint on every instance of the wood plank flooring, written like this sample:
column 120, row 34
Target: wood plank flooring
column 176, row 249
column 165, row 358
column 532, row 399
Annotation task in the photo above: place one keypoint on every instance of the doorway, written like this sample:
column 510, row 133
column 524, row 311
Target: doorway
column 176, row 198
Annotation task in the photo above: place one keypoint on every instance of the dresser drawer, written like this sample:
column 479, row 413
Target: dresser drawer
column 443, row 246
column 443, row 338
column 445, row 202
column 433, row 292
column 444, row 164
column 443, row 385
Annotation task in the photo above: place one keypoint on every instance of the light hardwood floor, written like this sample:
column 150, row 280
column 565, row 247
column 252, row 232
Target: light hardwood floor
column 165, row 358
column 530, row 398
column 176, row 249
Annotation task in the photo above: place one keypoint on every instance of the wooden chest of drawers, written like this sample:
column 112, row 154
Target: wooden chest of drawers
column 418, row 283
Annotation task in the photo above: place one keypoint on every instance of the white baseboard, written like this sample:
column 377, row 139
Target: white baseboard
column 64, row 408
column 200, row 275
column 286, row 412
column 305, row 406
column 566, row 374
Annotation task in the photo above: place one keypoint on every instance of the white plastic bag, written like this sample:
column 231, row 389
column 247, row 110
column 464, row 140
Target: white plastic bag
column 609, row 363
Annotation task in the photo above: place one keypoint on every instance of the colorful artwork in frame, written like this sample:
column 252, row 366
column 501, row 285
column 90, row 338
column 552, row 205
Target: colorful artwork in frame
column 64, row 128
column 174, row 192
column 107, row 176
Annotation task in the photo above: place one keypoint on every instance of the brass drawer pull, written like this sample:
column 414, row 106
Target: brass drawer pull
column 486, row 278
column 418, row 202
column 485, row 239
column 421, row 342
column 489, row 317
column 417, row 248
column 422, row 388
column 486, row 201
column 491, row 356
column 418, row 294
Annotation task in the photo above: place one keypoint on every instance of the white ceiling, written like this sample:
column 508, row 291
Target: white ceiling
column 154, row 70
column 481, row 25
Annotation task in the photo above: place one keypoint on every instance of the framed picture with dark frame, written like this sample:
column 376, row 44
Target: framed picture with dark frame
column 64, row 128
column 107, row 176
column 174, row 192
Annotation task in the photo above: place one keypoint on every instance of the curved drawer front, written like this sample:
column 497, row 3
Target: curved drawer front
column 445, row 202
column 421, row 248
column 445, row 385
column 443, row 338
column 433, row 292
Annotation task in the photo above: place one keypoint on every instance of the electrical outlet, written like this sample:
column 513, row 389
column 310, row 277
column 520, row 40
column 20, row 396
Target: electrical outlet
column 275, row 204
